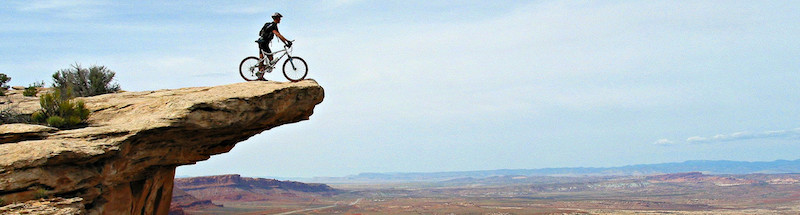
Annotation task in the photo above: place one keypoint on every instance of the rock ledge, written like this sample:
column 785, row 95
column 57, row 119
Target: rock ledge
column 124, row 161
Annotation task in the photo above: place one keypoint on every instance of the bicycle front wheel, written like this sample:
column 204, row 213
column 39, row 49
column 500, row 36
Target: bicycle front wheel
column 248, row 68
column 295, row 69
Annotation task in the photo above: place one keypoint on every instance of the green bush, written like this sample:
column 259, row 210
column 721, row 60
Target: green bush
column 41, row 193
column 81, row 82
column 3, row 80
column 2, row 202
column 32, row 89
column 56, row 121
column 60, row 111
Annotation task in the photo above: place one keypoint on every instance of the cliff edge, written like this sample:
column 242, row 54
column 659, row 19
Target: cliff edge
column 124, row 161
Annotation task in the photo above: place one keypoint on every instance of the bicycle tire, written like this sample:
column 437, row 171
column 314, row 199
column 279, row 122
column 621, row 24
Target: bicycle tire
column 297, row 71
column 248, row 68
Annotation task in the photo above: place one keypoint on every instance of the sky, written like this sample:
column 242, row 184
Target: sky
column 429, row 86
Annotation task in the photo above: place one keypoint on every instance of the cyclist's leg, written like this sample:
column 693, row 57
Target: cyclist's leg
column 264, row 46
column 261, row 67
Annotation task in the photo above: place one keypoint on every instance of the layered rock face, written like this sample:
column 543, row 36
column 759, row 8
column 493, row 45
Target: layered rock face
column 182, row 200
column 237, row 188
column 124, row 161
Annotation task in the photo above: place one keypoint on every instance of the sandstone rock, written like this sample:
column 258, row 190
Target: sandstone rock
column 182, row 200
column 124, row 161
column 20, row 103
column 18, row 132
column 54, row 206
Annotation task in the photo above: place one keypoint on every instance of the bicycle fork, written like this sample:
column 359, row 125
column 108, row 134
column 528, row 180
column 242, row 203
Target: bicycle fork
column 291, row 62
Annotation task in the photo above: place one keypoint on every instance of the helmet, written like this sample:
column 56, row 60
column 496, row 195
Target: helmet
column 277, row 15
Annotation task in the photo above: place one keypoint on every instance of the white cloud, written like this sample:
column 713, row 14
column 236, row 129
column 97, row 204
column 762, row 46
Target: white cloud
column 247, row 9
column 696, row 139
column 72, row 9
column 664, row 142
column 340, row 3
column 54, row 4
column 739, row 136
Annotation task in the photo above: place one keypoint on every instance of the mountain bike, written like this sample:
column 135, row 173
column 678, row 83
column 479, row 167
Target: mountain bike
column 294, row 68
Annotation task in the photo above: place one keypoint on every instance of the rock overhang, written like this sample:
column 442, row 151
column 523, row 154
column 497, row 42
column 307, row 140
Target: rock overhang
column 133, row 135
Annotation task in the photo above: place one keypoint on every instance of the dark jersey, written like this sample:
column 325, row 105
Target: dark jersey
column 266, row 31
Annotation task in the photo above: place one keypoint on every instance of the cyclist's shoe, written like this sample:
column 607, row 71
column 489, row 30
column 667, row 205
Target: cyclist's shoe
column 260, row 75
column 262, row 79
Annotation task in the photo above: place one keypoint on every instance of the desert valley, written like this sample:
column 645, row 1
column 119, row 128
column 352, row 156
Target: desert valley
column 676, row 193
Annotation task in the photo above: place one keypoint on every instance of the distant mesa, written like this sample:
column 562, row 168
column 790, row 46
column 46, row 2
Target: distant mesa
column 181, row 200
column 200, row 192
column 698, row 177
column 249, row 184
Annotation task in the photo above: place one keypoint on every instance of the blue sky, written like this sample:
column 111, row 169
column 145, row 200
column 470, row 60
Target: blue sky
column 420, row 86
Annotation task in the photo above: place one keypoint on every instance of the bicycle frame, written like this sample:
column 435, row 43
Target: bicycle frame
column 286, row 52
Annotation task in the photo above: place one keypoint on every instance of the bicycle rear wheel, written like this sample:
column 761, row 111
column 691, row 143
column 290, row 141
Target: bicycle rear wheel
column 248, row 68
column 295, row 69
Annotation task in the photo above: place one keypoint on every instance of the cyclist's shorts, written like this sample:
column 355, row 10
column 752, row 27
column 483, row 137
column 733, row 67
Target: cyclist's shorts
column 264, row 46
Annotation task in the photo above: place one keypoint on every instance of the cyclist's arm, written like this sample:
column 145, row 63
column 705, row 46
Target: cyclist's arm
column 279, row 35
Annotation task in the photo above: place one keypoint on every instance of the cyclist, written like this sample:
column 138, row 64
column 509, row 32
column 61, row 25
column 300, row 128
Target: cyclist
column 269, row 30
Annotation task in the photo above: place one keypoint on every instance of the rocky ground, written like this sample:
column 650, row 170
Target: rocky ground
column 53, row 206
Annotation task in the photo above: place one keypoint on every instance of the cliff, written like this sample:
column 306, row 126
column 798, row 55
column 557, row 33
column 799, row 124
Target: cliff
column 124, row 161
column 237, row 188
column 182, row 200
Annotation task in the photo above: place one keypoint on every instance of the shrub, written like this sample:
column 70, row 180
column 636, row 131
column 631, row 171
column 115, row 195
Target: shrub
column 32, row 89
column 56, row 121
column 3, row 80
column 8, row 115
column 60, row 111
column 80, row 82
column 2, row 202
column 41, row 193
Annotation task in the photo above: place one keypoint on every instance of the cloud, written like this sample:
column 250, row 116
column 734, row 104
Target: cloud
column 664, row 142
column 696, row 139
column 52, row 5
column 246, row 9
column 341, row 3
column 72, row 9
column 738, row 136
